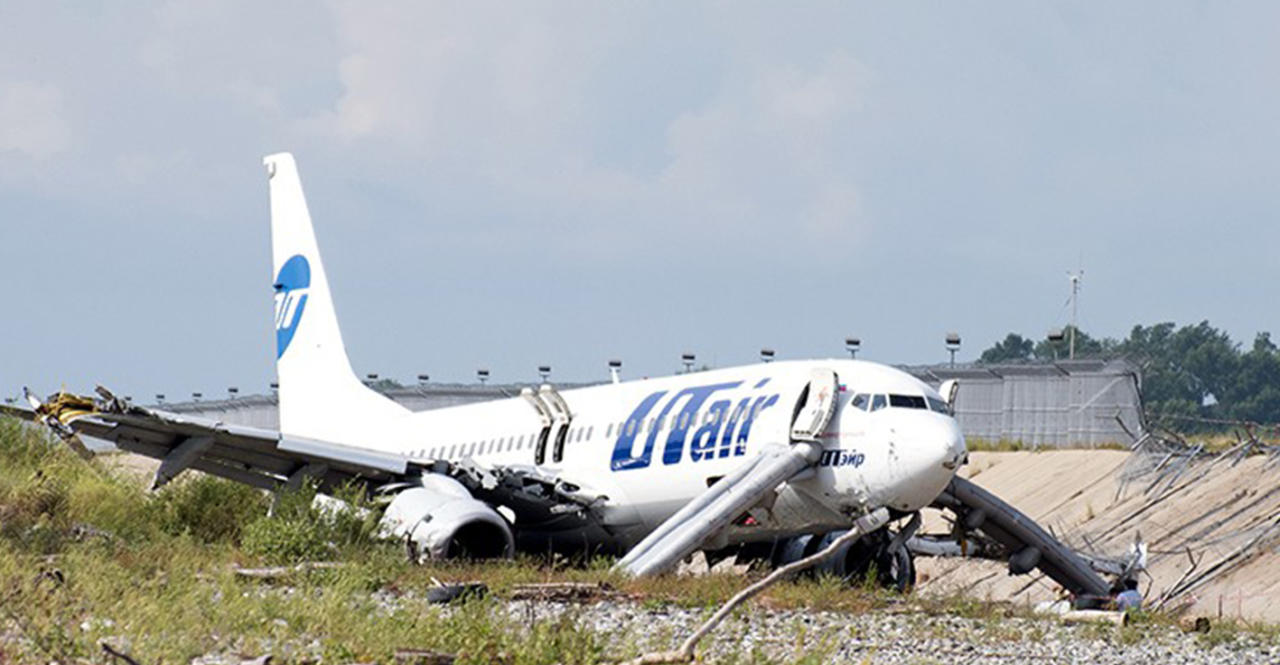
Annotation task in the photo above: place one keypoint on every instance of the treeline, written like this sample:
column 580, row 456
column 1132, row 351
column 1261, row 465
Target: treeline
column 1188, row 373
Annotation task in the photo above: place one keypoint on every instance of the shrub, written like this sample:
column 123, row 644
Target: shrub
column 302, row 528
column 208, row 508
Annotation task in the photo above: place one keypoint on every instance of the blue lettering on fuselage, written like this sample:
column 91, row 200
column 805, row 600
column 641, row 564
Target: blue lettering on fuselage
column 717, row 431
column 624, row 456
column 842, row 457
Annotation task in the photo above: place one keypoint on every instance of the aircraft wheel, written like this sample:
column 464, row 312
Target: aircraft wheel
column 896, row 569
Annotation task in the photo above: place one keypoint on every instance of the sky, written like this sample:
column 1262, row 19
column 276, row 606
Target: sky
column 505, row 185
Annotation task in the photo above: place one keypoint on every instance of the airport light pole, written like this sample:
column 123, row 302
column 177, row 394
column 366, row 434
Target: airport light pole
column 159, row 398
column 423, row 378
column 195, row 397
column 1075, row 278
column 544, row 371
column 232, row 392
column 953, row 345
column 483, row 375
column 766, row 355
column 852, row 344
column 687, row 359
column 615, row 369
column 1055, row 338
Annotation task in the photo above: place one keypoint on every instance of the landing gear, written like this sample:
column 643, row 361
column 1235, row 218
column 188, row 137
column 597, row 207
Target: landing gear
column 873, row 557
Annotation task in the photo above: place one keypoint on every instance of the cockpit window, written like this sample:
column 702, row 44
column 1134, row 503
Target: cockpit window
column 907, row 401
column 878, row 402
column 939, row 406
column 860, row 401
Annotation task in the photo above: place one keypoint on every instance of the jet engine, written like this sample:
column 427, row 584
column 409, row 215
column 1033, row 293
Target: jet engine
column 441, row 520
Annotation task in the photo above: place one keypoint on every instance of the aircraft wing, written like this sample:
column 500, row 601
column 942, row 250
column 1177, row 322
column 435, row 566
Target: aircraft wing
column 259, row 457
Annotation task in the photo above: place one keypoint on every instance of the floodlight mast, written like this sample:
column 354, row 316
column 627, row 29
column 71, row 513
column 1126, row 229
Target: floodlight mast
column 953, row 345
column 482, row 375
column 544, row 371
column 1055, row 337
column 852, row 345
column 688, row 360
column 615, row 369
column 1075, row 278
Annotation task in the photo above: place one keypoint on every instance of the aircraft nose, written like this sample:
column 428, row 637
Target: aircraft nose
column 931, row 450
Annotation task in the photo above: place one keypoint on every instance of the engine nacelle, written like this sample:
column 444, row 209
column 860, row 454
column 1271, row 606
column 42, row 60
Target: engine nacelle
column 443, row 521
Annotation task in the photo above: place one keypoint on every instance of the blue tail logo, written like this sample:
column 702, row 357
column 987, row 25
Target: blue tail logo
column 291, row 298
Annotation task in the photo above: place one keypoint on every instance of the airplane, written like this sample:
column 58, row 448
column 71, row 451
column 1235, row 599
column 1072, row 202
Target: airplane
column 768, row 458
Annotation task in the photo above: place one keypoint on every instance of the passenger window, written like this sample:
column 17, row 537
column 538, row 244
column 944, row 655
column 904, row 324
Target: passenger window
column 878, row 402
column 860, row 401
column 631, row 428
column 590, row 430
column 608, row 433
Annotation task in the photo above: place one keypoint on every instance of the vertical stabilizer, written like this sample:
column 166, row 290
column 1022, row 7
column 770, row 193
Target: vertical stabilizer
column 320, row 396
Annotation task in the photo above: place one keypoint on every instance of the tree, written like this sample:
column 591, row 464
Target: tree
column 1194, row 364
column 1014, row 348
column 1254, row 393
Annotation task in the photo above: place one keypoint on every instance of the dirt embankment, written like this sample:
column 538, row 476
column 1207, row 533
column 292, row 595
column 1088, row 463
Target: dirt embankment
column 1224, row 510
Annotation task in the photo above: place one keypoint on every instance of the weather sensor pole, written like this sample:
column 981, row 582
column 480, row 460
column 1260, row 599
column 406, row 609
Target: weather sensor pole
column 1075, row 278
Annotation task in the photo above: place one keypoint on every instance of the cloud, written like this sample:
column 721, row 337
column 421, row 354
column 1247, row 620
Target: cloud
column 32, row 120
column 525, row 105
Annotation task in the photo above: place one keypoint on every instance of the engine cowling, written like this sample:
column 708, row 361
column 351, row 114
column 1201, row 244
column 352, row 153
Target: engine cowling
column 443, row 521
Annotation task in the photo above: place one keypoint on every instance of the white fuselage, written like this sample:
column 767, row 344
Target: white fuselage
column 652, row 445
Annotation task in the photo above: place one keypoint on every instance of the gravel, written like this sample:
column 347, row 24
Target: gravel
column 882, row 637
column 886, row 637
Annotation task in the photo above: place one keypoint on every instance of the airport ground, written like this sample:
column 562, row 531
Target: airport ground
column 87, row 557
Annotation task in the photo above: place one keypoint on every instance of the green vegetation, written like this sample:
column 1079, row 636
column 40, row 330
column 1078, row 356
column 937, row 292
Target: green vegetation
column 1191, row 375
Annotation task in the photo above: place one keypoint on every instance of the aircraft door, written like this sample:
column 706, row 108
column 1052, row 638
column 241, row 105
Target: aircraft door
column 949, row 390
column 544, row 415
column 816, row 406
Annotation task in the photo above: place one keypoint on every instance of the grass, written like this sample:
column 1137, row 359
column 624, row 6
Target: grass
column 87, row 556
column 980, row 444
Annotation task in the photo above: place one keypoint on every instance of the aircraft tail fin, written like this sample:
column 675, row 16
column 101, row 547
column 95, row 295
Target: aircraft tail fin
column 320, row 396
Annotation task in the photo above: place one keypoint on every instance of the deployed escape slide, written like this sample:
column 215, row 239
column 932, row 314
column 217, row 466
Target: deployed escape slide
column 1029, row 546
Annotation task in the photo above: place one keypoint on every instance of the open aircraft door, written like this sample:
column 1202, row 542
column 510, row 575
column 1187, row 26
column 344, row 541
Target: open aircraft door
column 816, row 406
column 949, row 390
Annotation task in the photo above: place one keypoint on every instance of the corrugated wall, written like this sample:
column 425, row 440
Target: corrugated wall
column 1064, row 404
